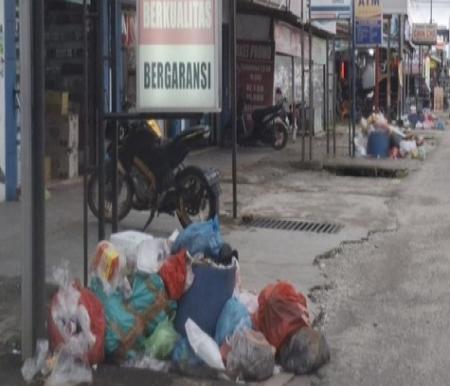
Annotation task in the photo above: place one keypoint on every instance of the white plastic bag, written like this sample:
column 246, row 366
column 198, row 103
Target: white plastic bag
column 249, row 300
column 151, row 254
column 32, row 366
column 69, row 372
column 204, row 346
column 127, row 243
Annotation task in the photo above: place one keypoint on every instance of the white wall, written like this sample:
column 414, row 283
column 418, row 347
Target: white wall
column 2, row 98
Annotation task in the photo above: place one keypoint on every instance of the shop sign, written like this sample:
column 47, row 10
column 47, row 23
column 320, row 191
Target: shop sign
column 424, row 34
column 330, row 9
column 369, row 22
column 178, row 61
column 288, row 39
column 255, row 73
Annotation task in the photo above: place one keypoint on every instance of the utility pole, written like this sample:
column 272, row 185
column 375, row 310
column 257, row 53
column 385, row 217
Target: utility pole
column 32, row 87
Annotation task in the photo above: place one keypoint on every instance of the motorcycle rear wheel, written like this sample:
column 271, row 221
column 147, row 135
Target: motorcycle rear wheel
column 280, row 136
column 193, row 186
column 124, row 195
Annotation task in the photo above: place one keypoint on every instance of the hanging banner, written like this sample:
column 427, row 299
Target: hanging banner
column 255, row 73
column 178, row 63
column 330, row 9
column 369, row 22
column 424, row 34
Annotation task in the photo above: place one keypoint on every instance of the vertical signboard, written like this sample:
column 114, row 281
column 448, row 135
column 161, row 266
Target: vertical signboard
column 2, row 102
column 178, row 62
column 369, row 22
column 255, row 73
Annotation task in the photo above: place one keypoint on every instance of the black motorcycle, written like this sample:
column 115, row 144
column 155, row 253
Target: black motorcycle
column 268, row 127
column 151, row 176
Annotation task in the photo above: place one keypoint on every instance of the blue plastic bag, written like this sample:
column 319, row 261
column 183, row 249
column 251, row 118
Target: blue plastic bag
column 233, row 318
column 203, row 237
column 183, row 356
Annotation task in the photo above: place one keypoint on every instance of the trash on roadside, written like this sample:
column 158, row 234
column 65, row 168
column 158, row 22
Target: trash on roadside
column 67, row 370
column 251, row 358
column 174, row 273
column 204, row 346
column 213, row 286
column 282, row 311
column 109, row 266
column 162, row 341
column 200, row 238
column 149, row 363
column 305, row 352
column 127, row 243
column 233, row 318
column 151, row 254
column 38, row 364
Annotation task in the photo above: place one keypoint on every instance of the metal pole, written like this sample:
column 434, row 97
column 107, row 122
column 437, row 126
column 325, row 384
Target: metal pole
column 334, row 96
column 114, row 108
column 388, row 68
column 349, row 85
column 32, row 85
column 400, row 63
column 294, row 122
column 431, row 11
column 303, row 105
column 86, row 139
column 233, row 100
column 377, row 78
column 311, row 92
column 420, row 76
column 327, row 96
column 100, row 120
column 353, row 81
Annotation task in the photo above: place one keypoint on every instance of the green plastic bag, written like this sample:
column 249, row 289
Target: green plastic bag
column 162, row 342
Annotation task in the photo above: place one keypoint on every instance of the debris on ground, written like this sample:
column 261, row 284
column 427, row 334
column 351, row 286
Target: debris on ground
column 175, row 304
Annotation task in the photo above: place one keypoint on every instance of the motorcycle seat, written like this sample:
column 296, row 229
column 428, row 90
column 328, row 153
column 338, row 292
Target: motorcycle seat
column 258, row 114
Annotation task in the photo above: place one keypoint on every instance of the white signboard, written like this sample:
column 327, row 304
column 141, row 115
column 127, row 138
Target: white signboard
column 424, row 34
column 330, row 9
column 178, row 61
column 2, row 102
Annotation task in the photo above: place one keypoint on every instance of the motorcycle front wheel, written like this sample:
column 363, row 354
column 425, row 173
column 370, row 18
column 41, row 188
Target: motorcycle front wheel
column 196, row 200
column 124, row 194
column 280, row 136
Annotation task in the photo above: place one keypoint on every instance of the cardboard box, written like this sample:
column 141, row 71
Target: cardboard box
column 62, row 131
column 65, row 164
column 48, row 168
column 57, row 102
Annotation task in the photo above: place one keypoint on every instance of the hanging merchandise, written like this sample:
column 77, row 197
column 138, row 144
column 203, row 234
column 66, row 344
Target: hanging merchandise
column 234, row 317
column 305, row 352
column 282, row 311
column 251, row 358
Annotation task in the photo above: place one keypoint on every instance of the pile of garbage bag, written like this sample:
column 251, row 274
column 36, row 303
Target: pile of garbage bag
column 174, row 304
column 377, row 138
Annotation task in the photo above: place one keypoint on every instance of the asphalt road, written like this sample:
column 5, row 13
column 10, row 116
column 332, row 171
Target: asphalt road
column 388, row 318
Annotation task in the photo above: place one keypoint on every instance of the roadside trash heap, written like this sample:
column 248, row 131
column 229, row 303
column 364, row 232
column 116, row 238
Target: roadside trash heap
column 376, row 138
column 424, row 120
column 174, row 304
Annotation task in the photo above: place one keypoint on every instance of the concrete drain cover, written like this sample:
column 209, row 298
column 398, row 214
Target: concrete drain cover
column 292, row 225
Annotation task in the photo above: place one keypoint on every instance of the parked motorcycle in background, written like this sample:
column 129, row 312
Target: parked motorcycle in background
column 152, row 177
column 268, row 127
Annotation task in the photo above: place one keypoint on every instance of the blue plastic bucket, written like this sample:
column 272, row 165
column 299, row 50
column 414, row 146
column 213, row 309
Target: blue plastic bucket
column 378, row 144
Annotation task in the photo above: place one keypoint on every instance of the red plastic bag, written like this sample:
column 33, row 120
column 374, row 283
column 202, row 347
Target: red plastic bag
column 282, row 311
column 173, row 273
column 97, row 324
